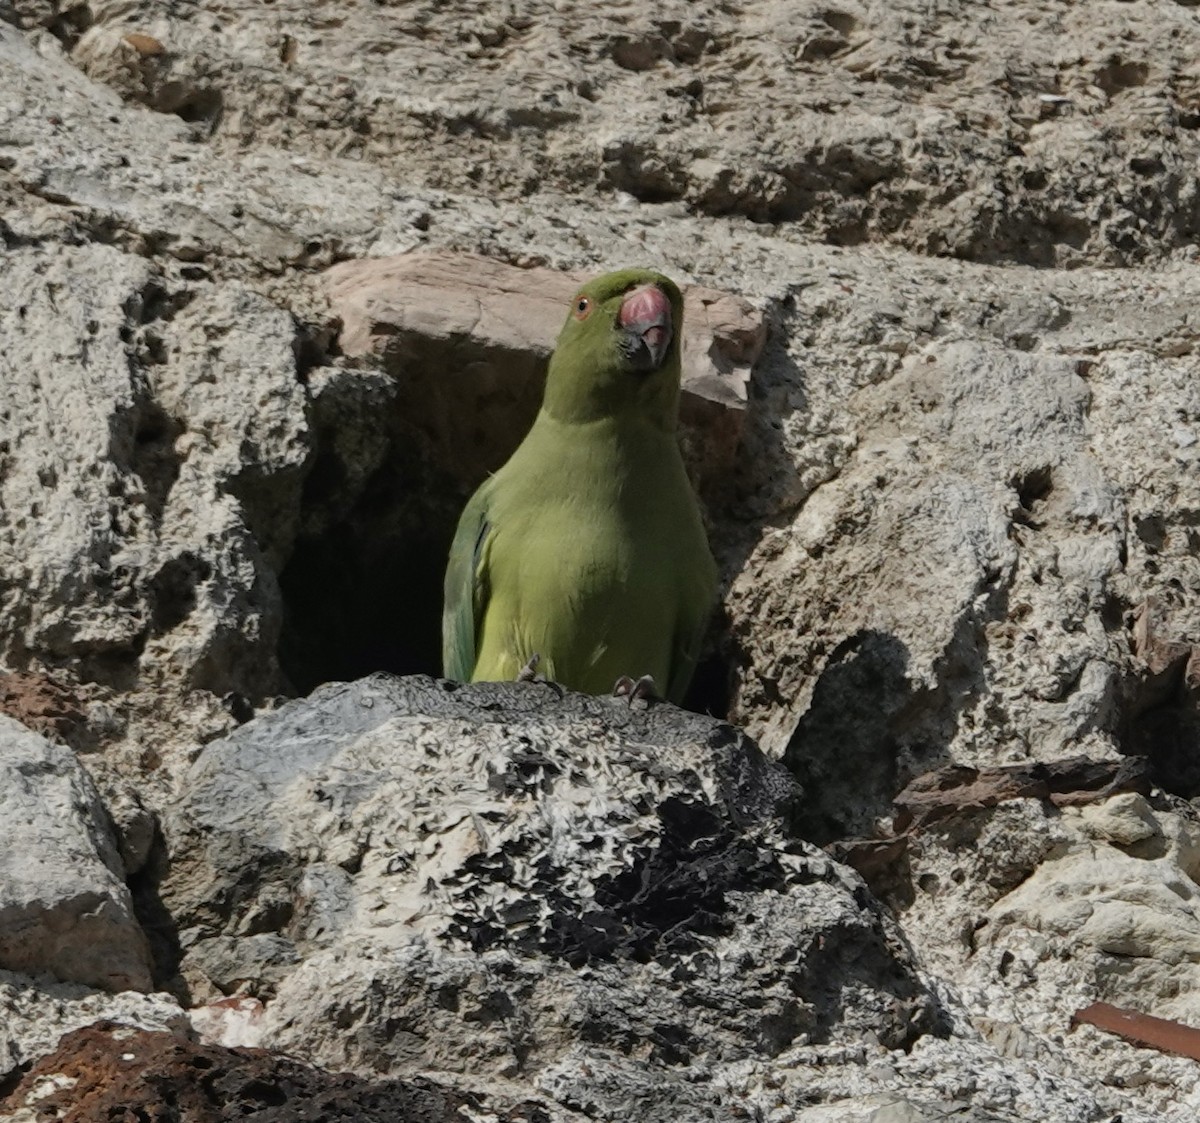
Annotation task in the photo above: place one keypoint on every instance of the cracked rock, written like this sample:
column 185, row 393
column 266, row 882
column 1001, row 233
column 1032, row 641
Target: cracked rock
column 483, row 879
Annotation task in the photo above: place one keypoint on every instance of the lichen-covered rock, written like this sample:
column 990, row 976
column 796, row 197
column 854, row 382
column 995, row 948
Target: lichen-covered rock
column 64, row 907
column 478, row 879
column 959, row 527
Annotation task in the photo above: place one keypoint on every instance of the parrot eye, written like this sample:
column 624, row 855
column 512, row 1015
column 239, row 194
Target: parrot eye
column 582, row 307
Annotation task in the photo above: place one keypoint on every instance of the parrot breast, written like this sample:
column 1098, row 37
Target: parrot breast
column 595, row 564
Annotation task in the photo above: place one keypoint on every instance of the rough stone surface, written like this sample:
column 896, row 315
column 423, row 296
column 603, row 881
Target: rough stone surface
column 140, row 431
column 960, row 528
column 1042, row 912
column 64, row 907
column 1044, row 135
column 971, row 562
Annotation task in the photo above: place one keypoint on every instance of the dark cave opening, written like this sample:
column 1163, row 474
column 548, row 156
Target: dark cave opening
column 711, row 690
column 365, row 595
column 1159, row 699
column 398, row 454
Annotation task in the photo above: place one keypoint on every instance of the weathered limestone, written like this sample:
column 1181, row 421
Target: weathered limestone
column 474, row 879
column 955, row 508
column 966, row 554
column 1041, row 135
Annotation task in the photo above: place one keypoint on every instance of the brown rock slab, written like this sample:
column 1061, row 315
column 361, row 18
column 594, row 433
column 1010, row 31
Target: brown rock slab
column 479, row 329
column 1142, row 1029
column 947, row 791
column 1165, row 656
column 954, row 790
column 107, row 1072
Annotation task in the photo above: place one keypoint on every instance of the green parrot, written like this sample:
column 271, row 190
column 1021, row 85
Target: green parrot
column 585, row 555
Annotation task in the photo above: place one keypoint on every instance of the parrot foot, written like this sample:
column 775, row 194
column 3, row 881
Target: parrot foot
column 632, row 689
column 528, row 673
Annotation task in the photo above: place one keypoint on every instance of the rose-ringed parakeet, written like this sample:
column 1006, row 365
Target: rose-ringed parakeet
column 585, row 554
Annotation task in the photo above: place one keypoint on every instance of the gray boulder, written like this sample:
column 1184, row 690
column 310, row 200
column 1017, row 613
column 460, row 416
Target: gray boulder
column 64, row 907
column 499, row 880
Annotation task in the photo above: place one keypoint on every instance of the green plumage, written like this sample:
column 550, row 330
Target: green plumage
column 587, row 547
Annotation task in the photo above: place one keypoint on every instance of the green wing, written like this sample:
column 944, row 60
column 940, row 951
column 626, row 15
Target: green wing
column 692, row 628
column 683, row 666
column 466, row 591
column 684, row 657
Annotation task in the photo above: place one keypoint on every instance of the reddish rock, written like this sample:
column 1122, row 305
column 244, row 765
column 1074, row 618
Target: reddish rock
column 956, row 788
column 109, row 1073
column 1142, row 1029
column 41, row 704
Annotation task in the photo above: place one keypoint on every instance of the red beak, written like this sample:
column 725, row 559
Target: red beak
column 646, row 317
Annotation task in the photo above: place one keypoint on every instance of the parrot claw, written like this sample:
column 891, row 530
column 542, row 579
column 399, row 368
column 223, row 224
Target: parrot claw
column 632, row 689
column 528, row 673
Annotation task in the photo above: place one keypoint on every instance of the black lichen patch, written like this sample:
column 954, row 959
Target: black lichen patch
column 529, row 772
column 671, row 894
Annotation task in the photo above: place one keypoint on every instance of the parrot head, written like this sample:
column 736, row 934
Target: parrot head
column 619, row 350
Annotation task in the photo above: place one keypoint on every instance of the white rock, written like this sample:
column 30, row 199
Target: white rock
column 476, row 879
column 1123, row 820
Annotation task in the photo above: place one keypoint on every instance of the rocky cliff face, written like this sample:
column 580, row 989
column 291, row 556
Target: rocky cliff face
column 279, row 285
